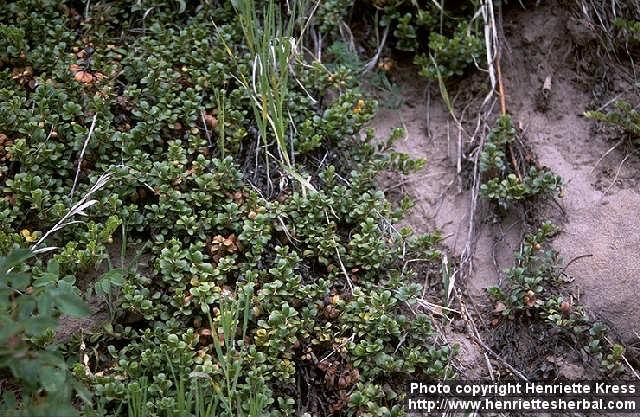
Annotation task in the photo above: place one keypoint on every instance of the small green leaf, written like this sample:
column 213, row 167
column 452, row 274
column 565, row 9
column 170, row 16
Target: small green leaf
column 9, row 329
column 53, row 267
column 9, row 401
column 45, row 303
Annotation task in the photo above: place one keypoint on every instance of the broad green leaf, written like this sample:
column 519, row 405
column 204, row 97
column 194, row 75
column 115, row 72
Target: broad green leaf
column 81, row 391
column 8, row 401
column 8, row 329
column 45, row 304
column 35, row 326
column 53, row 267
column 52, row 378
column 114, row 277
column 71, row 304
column 26, row 307
column 15, row 258
column 47, row 279
column 102, row 287
column 19, row 280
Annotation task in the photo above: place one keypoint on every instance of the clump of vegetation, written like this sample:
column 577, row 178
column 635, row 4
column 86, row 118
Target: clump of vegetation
column 616, row 26
column 443, row 40
column 218, row 170
column 31, row 301
column 624, row 117
column 504, row 179
column 209, row 147
column 628, row 31
column 453, row 42
column 450, row 56
column 532, row 291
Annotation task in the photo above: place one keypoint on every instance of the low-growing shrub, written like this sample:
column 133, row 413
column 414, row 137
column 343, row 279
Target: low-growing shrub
column 624, row 117
column 500, row 180
column 444, row 40
column 533, row 291
column 31, row 302
column 256, row 262
column 450, row 56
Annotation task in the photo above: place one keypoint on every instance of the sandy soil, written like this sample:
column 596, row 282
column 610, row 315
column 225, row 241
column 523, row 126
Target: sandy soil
column 603, row 226
column 600, row 240
column 442, row 202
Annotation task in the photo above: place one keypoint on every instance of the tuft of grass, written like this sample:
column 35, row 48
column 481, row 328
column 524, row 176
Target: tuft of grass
column 196, row 393
column 233, row 319
column 272, row 46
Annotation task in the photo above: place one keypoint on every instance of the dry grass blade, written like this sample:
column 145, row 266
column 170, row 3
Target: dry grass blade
column 615, row 178
column 604, row 155
column 475, row 335
column 371, row 64
column 492, row 48
column 78, row 209
column 81, row 157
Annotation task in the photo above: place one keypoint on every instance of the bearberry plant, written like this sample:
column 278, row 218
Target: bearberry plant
column 533, row 292
column 210, row 184
column 624, row 116
column 502, row 181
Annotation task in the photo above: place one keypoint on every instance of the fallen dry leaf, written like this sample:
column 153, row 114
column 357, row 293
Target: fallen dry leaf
column 386, row 64
column 565, row 306
column 84, row 76
column 187, row 299
column 211, row 121
column 530, row 299
column 222, row 245
column 24, row 76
